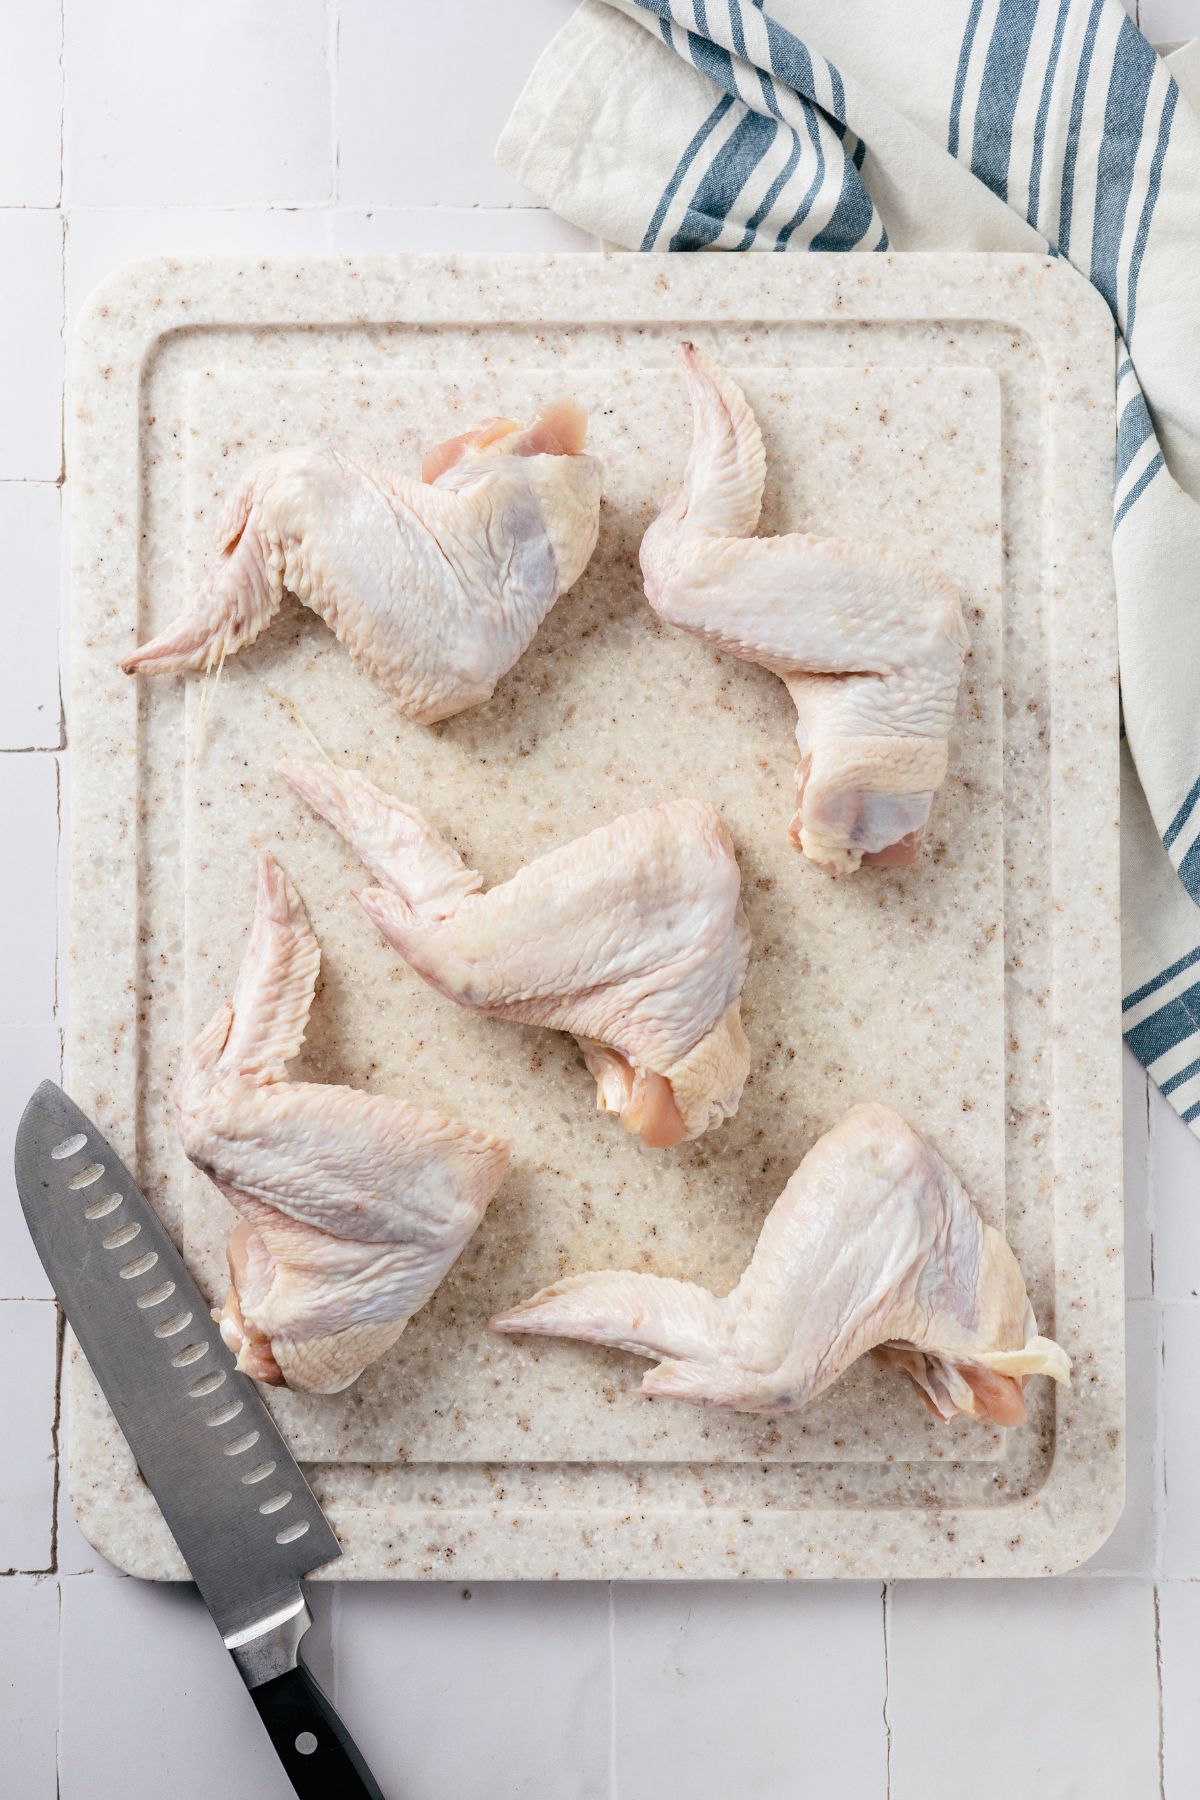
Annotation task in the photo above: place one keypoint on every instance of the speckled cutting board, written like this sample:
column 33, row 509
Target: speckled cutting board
column 959, row 405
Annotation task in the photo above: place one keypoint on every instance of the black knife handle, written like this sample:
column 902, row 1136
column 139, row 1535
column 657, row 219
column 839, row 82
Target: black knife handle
column 296, row 1712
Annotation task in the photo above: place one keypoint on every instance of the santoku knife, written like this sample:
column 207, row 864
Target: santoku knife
column 239, row 1508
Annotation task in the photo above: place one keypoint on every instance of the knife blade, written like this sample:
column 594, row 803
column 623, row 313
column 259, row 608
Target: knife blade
column 245, row 1519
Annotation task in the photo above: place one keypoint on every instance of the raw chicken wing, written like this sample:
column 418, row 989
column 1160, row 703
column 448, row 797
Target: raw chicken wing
column 873, row 1245
column 352, row 1206
column 632, row 938
column 869, row 642
column 435, row 587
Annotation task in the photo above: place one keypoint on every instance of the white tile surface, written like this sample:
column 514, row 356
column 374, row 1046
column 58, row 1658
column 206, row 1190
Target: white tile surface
column 1165, row 21
column 28, row 1686
column 156, row 1705
column 28, row 897
column 1019, row 1687
column 197, row 105
column 1139, row 1260
column 723, row 1691
column 30, row 710
column 418, row 121
column 392, row 228
column 1133, row 1548
column 28, row 1338
column 1174, row 1173
column 502, row 1694
column 1181, row 1438
column 28, row 1054
column 30, row 106
column 1179, row 1626
column 31, row 350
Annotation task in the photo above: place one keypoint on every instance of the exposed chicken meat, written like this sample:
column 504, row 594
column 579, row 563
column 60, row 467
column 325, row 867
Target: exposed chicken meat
column 869, row 642
column 435, row 587
column 632, row 938
column 352, row 1206
column 873, row 1245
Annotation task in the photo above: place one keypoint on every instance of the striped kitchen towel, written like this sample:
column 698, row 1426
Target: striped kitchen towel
column 966, row 125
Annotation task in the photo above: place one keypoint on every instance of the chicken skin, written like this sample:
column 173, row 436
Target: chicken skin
column 869, row 642
column 632, row 938
column 352, row 1206
column 873, row 1245
column 435, row 587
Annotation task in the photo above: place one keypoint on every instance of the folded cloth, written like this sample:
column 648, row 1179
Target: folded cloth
column 968, row 125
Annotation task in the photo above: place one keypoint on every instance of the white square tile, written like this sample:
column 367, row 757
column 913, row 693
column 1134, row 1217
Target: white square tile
column 197, row 105
column 753, row 1691
column 1133, row 1548
column 28, row 898
column 101, row 239
column 31, row 346
column 30, row 710
column 1136, row 1115
column 28, row 1349
column 1000, row 1688
column 424, row 92
column 502, row 1693
column 28, row 1054
column 1179, row 1623
column 151, row 1701
column 1181, row 1440
column 450, row 228
column 29, row 1686
column 31, row 106
column 1174, row 1202
column 1169, row 21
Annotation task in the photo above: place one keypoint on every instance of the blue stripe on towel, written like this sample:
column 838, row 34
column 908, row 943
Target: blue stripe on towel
column 1182, row 816
column 1188, row 870
column 772, row 194
column 1043, row 114
column 1160, row 981
column 1000, row 89
column 685, row 162
column 1176, row 1081
column 1135, row 427
column 1148, row 205
column 851, row 215
column 713, row 61
column 960, row 79
column 1166, row 1028
column 722, row 182
column 1067, row 203
column 737, row 28
column 1139, row 487
column 1124, row 122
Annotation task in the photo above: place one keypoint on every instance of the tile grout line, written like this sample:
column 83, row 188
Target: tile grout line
column 62, row 101
column 887, row 1695
column 612, row 1692
column 1160, row 1445
column 56, row 1431
column 1151, row 1210
column 1158, row 1676
column 333, row 59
